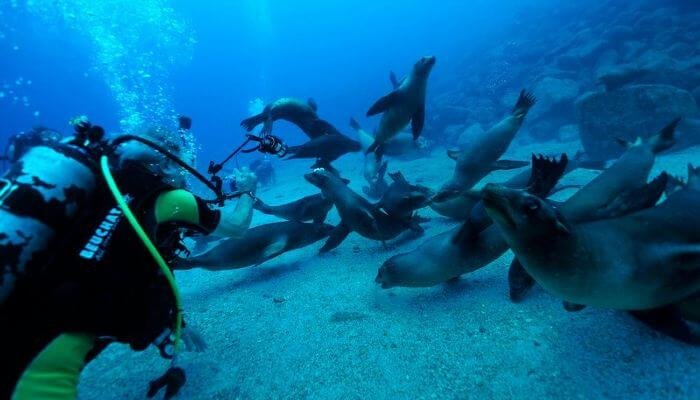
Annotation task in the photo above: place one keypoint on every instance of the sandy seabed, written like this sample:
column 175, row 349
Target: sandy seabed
column 304, row 326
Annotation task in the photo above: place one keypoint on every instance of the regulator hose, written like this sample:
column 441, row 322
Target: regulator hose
column 121, row 202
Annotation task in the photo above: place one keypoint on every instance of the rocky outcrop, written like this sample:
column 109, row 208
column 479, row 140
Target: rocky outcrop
column 570, row 56
column 636, row 110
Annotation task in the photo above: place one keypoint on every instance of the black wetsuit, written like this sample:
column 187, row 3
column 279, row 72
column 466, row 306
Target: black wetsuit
column 100, row 279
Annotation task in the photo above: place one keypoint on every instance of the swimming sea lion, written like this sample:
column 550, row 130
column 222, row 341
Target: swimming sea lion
column 646, row 260
column 257, row 245
column 325, row 147
column 630, row 171
column 403, row 105
column 300, row 113
column 463, row 249
column 356, row 213
column 479, row 158
column 401, row 146
column 310, row 208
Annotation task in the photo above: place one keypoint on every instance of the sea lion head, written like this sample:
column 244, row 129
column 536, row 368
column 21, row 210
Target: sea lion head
column 424, row 65
column 390, row 274
column 323, row 178
column 319, row 177
column 522, row 215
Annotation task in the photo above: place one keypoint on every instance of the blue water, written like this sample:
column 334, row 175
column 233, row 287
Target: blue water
column 129, row 64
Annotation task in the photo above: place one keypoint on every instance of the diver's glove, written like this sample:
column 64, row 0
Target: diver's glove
column 173, row 379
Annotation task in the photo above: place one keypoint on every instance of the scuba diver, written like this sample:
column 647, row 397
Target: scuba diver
column 87, row 230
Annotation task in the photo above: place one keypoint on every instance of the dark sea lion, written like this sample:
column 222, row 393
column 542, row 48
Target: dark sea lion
column 646, row 260
column 463, row 249
column 257, row 245
column 356, row 213
column 300, row 113
column 325, row 147
column 403, row 198
column 310, row 208
column 403, row 105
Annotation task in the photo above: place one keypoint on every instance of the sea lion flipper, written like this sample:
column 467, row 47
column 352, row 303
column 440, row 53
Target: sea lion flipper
column 668, row 321
column 337, row 235
column 545, row 174
column 384, row 103
column 519, row 281
column 398, row 177
column 508, row 164
column 418, row 120
column 453, row 153
column 312, row 103
column 525, row 101
column 572, row 307
column 354, row 124
column 634, row 200
column 394, row 81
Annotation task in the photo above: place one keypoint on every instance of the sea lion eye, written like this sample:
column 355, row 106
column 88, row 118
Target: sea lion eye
column 530, row 206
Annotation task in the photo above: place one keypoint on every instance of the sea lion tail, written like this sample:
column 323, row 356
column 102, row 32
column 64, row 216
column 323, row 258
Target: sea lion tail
column 665, row 138
column 525, row 101
column 251, row 122
column 374, row 147
column 354, row 124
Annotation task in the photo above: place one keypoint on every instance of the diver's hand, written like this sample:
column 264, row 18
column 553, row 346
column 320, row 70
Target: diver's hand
column 246, row 181
column 193, row 340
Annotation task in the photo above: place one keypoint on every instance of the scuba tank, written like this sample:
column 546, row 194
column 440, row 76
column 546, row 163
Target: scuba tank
column 42, row 192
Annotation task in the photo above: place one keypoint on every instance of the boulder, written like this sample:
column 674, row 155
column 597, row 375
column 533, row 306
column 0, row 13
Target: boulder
column 635, row 110
column 553, row 91
column 569, row 133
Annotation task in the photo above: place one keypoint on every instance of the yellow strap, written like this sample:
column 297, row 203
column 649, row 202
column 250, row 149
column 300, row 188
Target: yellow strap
column 54, row 373
column 177, row 206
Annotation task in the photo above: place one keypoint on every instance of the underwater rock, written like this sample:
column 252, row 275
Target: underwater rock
column 696, row 94
column 569, row 133
column 585, row 53
column 636, row 110
column 553, row 91
column 617, row 76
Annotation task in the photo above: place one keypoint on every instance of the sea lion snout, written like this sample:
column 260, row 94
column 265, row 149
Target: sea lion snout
column 429, row 60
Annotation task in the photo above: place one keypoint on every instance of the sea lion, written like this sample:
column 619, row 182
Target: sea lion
column 325, row 147
column 479, row 158
column 642, row 261
column 463, row 249
column 403, row 105
column 373, row 171
column 402, row 198
column 481, row 155
column 356, row 213
column 300, row 113
column 257, row 245
column 630, row 171
column 400, row 146
column 310, row 208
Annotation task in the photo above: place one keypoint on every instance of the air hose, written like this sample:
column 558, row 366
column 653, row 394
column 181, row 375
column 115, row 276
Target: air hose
column 121, row 202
